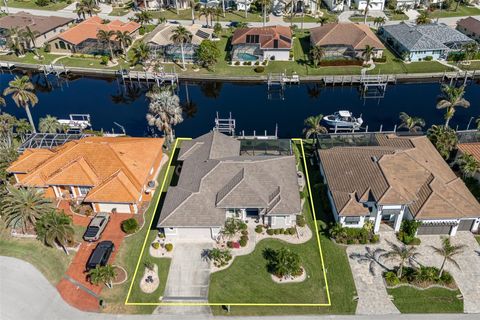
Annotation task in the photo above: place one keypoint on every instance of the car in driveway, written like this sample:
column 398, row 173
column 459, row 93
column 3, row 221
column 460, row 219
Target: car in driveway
column 96, row 227
column 100, row 255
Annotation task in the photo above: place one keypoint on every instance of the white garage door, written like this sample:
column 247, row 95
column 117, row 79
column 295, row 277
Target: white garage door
column 108, row 207
column 194, row 234
column 376, row 6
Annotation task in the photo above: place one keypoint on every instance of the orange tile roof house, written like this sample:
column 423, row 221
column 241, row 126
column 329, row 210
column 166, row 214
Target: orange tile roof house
column 107, row 172
column 398, row 178
column 262, row 43
column 345, row 40
column 82, row 38
column 472, row 148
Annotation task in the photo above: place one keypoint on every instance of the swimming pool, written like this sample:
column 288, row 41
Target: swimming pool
column 244, row 56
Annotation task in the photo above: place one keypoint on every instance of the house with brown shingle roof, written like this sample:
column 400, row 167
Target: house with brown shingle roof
column 472, row 148
column 345, row 40
column 82, row 38
column 262, row 43
column 399, row 178
column 106, row 172
column 470, row 27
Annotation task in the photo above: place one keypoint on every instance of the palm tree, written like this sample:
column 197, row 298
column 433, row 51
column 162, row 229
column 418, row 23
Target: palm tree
column 413, row 124
column 265, row 5
column 143, row 17
column 423, row 18
column 477, row 121
column 192, row 7
column 85, row 7
column 21, row 208
column 448, row 251
column 140, row 53
column 313, row 126
column 164, row 112
column 451, row 98
column 403, row 254
column 49, row 124
column 31, row 36
column 379, row 21
column 208, row 12
column 181, row 36
column 105, row 38
column 316, row 54
column 444, row 139
column 124, row 39
column 55, row 228
column 105, row 274
column 470, row 50
column 372, row 257
column 22, row 128
column 367, row 53
column 368, row 5
column 81, row 10
column 189, row 107
column 22, row 91
column 323, row 20
column 15, row 41
column 468, row 164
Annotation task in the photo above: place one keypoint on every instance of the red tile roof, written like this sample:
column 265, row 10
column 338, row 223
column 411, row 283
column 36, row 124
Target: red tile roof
column 267, row 36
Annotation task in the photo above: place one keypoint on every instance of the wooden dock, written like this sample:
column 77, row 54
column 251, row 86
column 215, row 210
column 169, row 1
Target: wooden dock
column 158, row 77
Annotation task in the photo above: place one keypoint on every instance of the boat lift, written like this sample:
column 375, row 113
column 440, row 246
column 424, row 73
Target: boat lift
column 77, row 122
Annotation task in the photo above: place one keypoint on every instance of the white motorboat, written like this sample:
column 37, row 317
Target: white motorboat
column 77, row 121
column 343, row 119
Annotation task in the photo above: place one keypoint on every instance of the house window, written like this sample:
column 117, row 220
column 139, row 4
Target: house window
column 275, row 43
column 82, row 191
column 352, row 220
column 62, row 45
column 56, row 45
column 253, row 38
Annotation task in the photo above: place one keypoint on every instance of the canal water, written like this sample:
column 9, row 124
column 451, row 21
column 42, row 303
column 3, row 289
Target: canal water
column 108, row 101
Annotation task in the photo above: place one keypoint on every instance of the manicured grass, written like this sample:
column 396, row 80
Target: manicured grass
column 308, row 18
column 434, row 300
column 51, row 262
column 462, row 11
column 171, row 14
column 474, row 65
column 478, row 239
column 30, row 58
column 361, row 19
column 397, row 16
column 91, row 63
column 118, row 12
column 29, row 4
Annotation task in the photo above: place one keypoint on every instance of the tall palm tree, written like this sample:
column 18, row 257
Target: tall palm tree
column 423, row 18
column 124, row 39
column 413, row 124
column 367, row 53
column 140, row 53
column 192, row 8
column 105, row 37
column 189, row 107
column 21, row 208
column 379, row 21
column 448, row 251
column 368, row 5
column 105, row 274
column 313, row 126
column 164, row 112
column 451, row 98
column 16, row 41
column 81, row 10
column 85, row 7
column 208, row 12
column 180, row 36
column 22, row 91
column 468, row 164
column 470, row 50
column 55, row 228
column 444, row 139
column 31, row 36
column 23, row 128
column 403, row 254
column 265, row 6
column 143, row 17
column 316, row 54
column 372, row 257
column 49, row 124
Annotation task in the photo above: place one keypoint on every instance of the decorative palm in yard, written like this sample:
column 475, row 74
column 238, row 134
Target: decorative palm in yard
column 444, row 139
column 181, row 36
column 265, row 6
column 124, row 39
column 379, row 21
column 403, row 254
column 85, row 7
column 283, row 262
column 368, row 5
column 140, row 53
column 367, row 53
column 313, row 126
column 23, row 94
column 372, row 256
column 448, row 251
column 413, row 124
column 323, row 20
column 49, row 124
column 143, row 17
column 468, row 164
column 423, row 18
column 451, row 98
column 55, row 228
column 470, row 49
column 316, row 54
column 21, row 208
column 31, row 36
column 105, row 37
column 105, row 274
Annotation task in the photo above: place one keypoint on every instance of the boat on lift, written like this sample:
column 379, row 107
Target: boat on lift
column 77, row 122
column 343, row 119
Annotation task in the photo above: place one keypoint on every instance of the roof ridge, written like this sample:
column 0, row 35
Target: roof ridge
column 130, row 174
column 104, row 183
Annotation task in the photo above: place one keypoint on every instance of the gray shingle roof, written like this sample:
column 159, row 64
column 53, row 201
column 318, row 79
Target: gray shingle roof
column 434, row 36
column 214, row 177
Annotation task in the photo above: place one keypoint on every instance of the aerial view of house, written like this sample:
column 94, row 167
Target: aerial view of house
column 419, row 42
column 399, row 178
column 261, row 43
column 44, row 27
column 216, row 182
column 161, row 43
column 107, row 173
column 347, row 40
column 473, row 149
column 470, row 27
column 82, row 38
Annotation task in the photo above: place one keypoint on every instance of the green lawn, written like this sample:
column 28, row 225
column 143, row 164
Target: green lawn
column 171, row 14
column 118, row 12
column 474, row 65
column 29, row 4
column 51, row 262
column 397, row 16
column 462, row 11
column 478, row 239
column 361, row 19
column 30, row 58
column 434, row 300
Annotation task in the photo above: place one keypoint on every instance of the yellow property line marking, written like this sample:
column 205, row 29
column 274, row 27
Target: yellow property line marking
column 235, row 304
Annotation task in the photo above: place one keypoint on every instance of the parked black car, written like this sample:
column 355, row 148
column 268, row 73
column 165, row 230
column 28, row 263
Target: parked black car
column 100, row 255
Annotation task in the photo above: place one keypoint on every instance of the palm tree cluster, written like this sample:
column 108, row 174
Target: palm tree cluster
column 444, row 139
column 55, row 229
column 181, row 36
column 468, row 164
column 21, row 40
column 283, row 262
column 423, row 18
column 50, row 124
column 412, row 124
column 110, row 38
column 103, row 274
column 86, row 7
column 23, row 94
column 143, row 17
column 451, row 98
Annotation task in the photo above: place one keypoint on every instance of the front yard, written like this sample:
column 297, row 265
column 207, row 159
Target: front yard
column 461, row 12
column 434, row 300
column 31, row 4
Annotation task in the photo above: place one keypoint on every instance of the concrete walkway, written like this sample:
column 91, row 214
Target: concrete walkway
column 412, row 14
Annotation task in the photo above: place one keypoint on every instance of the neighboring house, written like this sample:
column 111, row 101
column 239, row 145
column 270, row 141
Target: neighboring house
column 262, row 43
column 82, row 38
column 375, row 5
column 472, row 148
column 470, row 27
column 345, row 40
column 159, row 41
column 419, row 42
column 337, row 5
column 216, row 182
column 398, row 178
column 163, row 4
column 46, row 27
column 407, row 4
column 107, row 172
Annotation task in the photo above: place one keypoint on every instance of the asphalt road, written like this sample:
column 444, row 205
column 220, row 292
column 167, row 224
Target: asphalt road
column 25, row 294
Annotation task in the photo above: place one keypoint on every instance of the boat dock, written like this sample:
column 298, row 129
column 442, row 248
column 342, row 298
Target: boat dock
column 158, row 77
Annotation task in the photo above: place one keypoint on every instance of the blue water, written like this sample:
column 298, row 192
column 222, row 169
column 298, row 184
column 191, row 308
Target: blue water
column 243, row 56
column 105, row 101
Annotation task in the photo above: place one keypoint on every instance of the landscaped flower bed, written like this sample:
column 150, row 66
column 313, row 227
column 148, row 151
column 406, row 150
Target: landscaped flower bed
column 422, row 277
column 344, row 235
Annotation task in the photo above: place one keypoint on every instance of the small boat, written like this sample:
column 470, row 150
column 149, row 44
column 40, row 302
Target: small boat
column 343, row 119
column 77, row 121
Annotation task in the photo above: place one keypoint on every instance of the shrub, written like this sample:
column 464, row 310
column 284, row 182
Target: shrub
column 169, row 247
column 244, row 238
column 259, row 69
column 257, row 63
column 130, row 226
column 270, row 232
column 245, row 232
column 380, row 60
column 242, row 226
column 276, row 231
column 342, row 62
column 237, row 63
column 104, row 60
column 42, row 3
column 428, row 58
column 391, row 278
column 242, row 242
column 446, row 278
column 247, row 63
column 161, row 235
column 156, row 245
column 149, row 264
column 264, row 63
column 230, row 244
column 47, row 47
column 236, row 245
column 301, row 221
column 375, row 238
column 258, row 229
column 407, row 232
column 282, row 262
column 291, row 231
column 141, row 31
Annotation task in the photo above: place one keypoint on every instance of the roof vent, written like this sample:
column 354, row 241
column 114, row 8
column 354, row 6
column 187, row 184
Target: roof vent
column 375, row 159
